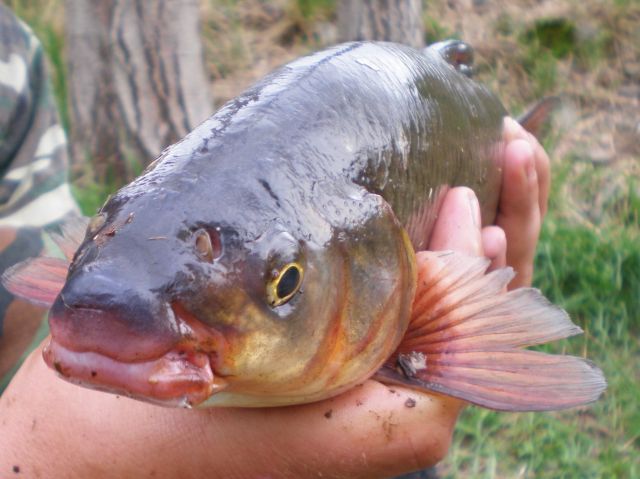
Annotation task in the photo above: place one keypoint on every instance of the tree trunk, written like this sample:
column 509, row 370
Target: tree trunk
column 386, row 20
column 136, row 80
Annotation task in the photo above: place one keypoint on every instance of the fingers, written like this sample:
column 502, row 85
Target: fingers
column 458, row 225
column 523, row 199
column 494, row 243
column 396, row 430
column 512, row 130
column 519, row 212
column 458, row 229
column 370, row 431
column 520, row 179
column 543, row 169
column 376, row 430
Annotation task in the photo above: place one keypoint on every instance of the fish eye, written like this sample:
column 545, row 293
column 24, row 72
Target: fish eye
column 285, row 284
column 208, row 245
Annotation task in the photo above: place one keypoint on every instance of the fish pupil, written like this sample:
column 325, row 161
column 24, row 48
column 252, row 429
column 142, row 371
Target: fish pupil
column 208, row 245
column 288, row 282
column 203, row 246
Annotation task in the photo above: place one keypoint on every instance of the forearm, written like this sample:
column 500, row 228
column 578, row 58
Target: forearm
column 61, row 430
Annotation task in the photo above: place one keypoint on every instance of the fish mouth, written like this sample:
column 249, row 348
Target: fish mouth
column 178, row 378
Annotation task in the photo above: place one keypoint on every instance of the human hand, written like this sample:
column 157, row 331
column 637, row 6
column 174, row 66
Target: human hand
column 57, row 429
column 522, row 205
column 366, row 432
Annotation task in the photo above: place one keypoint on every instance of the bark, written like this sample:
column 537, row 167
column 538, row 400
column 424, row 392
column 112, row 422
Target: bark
column 136, row 80
column 386, row 20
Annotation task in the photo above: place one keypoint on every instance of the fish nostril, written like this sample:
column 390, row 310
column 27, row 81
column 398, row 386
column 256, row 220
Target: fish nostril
column 77, row 305
column 112, row 318
column 208, row 245
column 87, row 290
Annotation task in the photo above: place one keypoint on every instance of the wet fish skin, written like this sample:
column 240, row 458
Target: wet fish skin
column 337, row 162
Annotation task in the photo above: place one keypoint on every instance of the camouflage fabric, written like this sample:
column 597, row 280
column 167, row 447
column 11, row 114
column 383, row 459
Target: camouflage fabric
column 33, row 155
column 34, row 191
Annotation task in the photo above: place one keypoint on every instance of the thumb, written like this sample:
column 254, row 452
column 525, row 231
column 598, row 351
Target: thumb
column 458, row 225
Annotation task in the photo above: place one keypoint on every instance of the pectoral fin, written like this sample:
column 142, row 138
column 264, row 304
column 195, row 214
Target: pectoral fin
column 36, row 280
column 39, row 280
column 466, row 335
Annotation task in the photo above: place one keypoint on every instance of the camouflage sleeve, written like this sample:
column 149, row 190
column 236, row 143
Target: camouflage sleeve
column 34, row 191
column 33, row 156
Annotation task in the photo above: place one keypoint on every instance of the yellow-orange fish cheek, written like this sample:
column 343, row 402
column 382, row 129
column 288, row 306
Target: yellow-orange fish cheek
column 271, row 356
column 349, row 320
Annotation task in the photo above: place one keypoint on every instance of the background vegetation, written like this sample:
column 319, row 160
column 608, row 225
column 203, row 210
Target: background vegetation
column 589, row 255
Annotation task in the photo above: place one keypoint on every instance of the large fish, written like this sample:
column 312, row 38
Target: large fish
column 269, row 257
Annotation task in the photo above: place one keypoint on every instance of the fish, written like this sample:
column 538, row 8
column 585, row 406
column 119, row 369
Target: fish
column 275, row 255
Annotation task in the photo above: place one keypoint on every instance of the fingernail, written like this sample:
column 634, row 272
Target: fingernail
column 509, row 128
column 513, row 130
column 474, row 207
column 532, row 138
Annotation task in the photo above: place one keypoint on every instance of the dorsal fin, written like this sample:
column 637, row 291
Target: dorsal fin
column 536, row 117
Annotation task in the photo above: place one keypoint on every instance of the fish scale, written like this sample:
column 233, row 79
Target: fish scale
column 319, row 185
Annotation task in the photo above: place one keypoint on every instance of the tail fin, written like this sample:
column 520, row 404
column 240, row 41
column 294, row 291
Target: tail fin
column 465, row 336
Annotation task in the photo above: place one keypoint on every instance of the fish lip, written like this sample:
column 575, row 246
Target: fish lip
column 177, row 378
column 85, row 327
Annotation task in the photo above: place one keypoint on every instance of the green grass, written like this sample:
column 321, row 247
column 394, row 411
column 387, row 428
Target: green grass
column 434, row 31
column 588, row 262
column 91, row 197
column 594, row 273
column 311, row 9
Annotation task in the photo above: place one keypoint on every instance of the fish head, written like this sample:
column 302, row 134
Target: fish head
column 178, row 310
